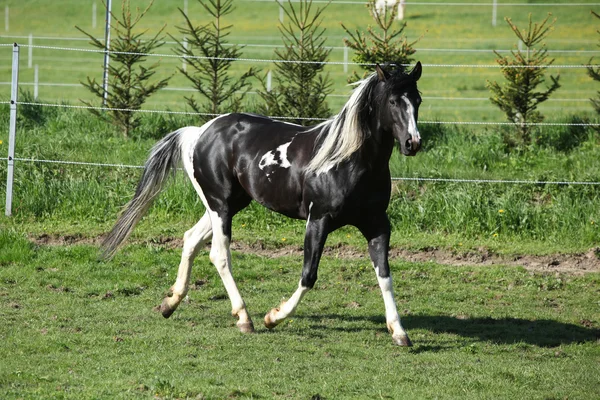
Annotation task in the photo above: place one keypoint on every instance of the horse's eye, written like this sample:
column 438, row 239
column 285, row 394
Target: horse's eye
column 392, row 102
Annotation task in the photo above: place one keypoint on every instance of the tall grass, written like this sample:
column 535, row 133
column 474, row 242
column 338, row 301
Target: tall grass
column 88, row 198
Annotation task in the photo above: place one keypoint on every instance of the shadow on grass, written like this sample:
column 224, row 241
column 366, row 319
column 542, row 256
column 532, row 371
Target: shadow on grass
column 536, row 332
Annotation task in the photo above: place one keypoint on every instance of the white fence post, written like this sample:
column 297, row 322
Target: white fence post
column 12, row 129
column 30, row 52
column 269, row 80
column 280, row 13
column 94, row 9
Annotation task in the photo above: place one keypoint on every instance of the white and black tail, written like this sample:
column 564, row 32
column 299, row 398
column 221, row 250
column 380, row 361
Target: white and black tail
column 161, row 164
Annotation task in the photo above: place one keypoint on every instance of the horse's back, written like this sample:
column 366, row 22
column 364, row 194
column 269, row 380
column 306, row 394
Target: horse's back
column 245, row 154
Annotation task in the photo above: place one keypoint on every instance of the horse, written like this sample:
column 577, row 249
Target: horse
column 332, row 174
column 381, row 7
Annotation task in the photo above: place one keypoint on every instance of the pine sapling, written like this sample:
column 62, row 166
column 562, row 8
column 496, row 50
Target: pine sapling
column 524, row 71
column 209, row 58
column 130, row 81
column 380, row 45
column 301, row 86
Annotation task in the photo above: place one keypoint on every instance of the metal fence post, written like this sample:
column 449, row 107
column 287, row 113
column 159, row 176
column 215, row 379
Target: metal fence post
column 12, row 129
column 106, row 49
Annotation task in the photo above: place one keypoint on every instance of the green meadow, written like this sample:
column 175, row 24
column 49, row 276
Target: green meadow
column 449, row 35
column 75, row 326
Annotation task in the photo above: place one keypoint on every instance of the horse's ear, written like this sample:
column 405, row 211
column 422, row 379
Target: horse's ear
column 416, row 72
column 381, row 74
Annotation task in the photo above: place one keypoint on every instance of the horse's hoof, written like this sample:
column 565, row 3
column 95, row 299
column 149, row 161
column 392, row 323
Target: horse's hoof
column 166, row 309
column 246, row 327
column 403, row 341
column 270, row 321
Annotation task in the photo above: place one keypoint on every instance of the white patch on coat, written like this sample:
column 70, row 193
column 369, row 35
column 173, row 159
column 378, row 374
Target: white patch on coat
column 188, row 139
column 308, row 217
column 269, row 158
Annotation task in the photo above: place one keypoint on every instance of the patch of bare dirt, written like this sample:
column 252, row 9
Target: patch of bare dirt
column 578, row 264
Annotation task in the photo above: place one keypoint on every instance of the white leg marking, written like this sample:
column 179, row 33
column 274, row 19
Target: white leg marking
column 391, row 313
column 220, row 255
column 193, row 239
column 286, row 309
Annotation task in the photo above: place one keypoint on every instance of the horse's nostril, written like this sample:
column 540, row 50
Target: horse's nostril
column 408, row 144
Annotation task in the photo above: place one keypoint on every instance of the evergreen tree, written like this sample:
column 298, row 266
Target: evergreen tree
column 524, row 72
column 129, row 84
column 209, row 58
column 301, row 86
column 381, row 45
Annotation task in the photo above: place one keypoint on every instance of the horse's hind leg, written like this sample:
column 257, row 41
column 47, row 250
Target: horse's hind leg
column 192, row 242
column 220, row 255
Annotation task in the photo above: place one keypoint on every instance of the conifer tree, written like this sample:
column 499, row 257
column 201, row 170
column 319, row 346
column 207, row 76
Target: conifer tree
column 524, row 71
column 130, row 81
column 209, row 58
column 380, row 45
column 301, row 85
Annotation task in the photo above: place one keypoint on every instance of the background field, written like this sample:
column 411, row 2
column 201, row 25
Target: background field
column 77, row 327
column 451, row 34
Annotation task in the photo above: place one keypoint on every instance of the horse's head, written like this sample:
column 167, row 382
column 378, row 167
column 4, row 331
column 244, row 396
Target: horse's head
column 399, row 102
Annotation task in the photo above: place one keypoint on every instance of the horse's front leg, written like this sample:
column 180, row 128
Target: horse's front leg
column 314, row 240
column 377, row 233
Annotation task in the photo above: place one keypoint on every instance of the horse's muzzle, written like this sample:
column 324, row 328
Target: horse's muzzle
column 412, row 145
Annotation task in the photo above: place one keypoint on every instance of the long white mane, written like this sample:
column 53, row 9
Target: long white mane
column 342, row 135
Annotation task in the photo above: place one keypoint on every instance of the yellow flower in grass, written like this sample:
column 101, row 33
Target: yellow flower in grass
column 501, row 211
column 283, row 239
column 0, row 141
column 495, row 235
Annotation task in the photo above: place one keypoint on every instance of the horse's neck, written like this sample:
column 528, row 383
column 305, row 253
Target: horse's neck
column 377, row 148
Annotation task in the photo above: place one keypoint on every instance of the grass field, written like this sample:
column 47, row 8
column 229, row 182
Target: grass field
column 450, row 34
column 76, row 327
column 73, row 326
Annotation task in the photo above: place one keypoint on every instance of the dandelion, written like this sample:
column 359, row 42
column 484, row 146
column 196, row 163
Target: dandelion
column 501, row 211
column 348, row 235
column 283, row 239
column 495, row 235
column 0, row 141
column 460, row 244
column 243, row 225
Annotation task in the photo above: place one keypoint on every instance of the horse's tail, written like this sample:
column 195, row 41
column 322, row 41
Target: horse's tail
column 161, row 164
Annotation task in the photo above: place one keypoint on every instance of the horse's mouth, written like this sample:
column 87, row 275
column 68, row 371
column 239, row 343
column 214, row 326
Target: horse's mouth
column 412, row 146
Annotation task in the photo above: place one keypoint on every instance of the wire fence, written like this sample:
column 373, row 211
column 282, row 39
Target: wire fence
column 13, row 103
column 274, row 46
column 274, row 61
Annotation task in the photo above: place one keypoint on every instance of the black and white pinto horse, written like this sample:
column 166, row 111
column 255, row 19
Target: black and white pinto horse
column 332, row 174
